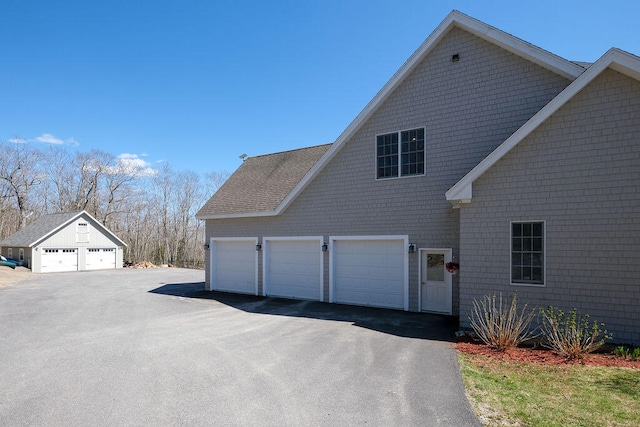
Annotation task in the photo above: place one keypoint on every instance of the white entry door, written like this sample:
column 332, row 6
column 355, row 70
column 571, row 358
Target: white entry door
column 435, row 280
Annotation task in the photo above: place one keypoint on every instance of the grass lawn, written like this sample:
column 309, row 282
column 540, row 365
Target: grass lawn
column 506, row 393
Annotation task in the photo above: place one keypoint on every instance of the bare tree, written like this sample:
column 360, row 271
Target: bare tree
column 20, row 170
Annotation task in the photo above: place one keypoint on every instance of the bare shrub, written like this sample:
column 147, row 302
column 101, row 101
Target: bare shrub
column 499, row 324
column 570, row 334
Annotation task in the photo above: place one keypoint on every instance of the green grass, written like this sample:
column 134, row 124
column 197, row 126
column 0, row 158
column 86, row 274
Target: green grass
column 522, row 394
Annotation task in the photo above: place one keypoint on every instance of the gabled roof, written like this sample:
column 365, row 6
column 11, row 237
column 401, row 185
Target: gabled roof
column 615, row 59
column 457, row 19
column 47, row 225
column 260, row 184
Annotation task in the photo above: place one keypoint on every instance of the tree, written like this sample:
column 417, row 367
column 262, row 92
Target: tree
column 20, row 170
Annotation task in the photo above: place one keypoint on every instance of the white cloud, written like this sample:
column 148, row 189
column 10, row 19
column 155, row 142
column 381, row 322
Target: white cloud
column 18, row 140
column 48, row 138
column 131, row 164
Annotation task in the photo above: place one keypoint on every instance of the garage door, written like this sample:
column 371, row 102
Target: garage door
column 100, row 258
column 234, row 266
column 370, row 271
column 55, row 260
column 293, row 268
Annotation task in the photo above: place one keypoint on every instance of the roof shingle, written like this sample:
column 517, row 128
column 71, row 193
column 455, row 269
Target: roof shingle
column 38, row 229
column 261, row 183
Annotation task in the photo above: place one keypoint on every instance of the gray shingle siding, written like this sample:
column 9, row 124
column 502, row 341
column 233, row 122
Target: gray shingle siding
column 468, row 108
column 579, row 172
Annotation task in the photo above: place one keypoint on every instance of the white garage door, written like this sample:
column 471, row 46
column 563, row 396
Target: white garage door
column 293, row 268
column 234, row 266
column 100, row 258
column 370, row 271
column 55, row 260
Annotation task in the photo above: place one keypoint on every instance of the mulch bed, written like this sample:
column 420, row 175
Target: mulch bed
column 541, row 355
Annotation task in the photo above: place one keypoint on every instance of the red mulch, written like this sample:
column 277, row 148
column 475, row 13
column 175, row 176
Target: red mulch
column 541, row 355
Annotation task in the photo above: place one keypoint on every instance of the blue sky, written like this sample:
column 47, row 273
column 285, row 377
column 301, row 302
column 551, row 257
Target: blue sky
column 197, row 83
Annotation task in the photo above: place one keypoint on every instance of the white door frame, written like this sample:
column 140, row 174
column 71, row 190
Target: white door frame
column 448, row 256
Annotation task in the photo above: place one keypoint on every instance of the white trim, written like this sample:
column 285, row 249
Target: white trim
column 86, row 232
column 212, row 241
column 457, row 19
column 491, row 34
column 79, row 214
column 614, row 58
column 399, row 133
column 404, row 237
column 448, row 256
column 544, row 253
column 265, row 241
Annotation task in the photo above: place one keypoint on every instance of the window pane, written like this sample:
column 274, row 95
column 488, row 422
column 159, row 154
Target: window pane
column 516, row 260
column 517, row 244
column 516, row 274
column 517, row 230
column 412, row 151
column 387, row 149
column 435, row 267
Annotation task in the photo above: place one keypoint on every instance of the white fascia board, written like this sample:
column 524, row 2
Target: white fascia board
column 55, row 230
column 493, row 35
column 234, row 216
column 614, row 58
column 70, row 220
column 103, row 227
column 533, row 53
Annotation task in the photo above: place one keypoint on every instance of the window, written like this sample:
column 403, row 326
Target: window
column 10, row 253
column 83, row 232
column 21, row 254
column 400, row 154
column 527, row 253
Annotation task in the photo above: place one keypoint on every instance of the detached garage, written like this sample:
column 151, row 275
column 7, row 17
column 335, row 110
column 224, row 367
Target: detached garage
column 69, row 241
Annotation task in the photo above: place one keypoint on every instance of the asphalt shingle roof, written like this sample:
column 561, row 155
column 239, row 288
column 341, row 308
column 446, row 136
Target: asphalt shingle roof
column 261, row 183
column 38, row 229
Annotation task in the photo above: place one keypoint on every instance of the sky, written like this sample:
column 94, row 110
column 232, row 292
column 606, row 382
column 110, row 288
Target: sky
column 196, row 84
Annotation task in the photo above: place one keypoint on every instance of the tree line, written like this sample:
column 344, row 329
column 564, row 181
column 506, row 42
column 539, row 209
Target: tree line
column 152, row 210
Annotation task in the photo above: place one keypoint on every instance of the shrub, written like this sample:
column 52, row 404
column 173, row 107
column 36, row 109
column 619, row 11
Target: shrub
column 625, row 352
column 499, row 324
column 571, row 335
column 621, row 351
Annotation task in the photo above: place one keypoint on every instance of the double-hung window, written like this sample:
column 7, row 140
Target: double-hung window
column 400, row 154
column 527, row 253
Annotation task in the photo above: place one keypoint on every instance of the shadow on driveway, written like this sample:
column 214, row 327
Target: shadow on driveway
column 399, row 323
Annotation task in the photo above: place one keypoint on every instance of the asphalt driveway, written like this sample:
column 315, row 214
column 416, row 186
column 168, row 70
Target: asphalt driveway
column 150, row 347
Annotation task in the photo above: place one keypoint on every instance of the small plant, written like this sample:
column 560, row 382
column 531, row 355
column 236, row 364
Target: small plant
column 625, row 352
column 499, row 324
column 621, row 351
column 571, row 335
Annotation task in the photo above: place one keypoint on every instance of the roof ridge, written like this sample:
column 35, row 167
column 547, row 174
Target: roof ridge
column 289, row 151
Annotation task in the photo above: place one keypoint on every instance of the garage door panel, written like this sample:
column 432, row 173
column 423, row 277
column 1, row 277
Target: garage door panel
column 59, row 260
column 100, row 258
column 369, row 272
column 293, row 268
column 234, row 266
